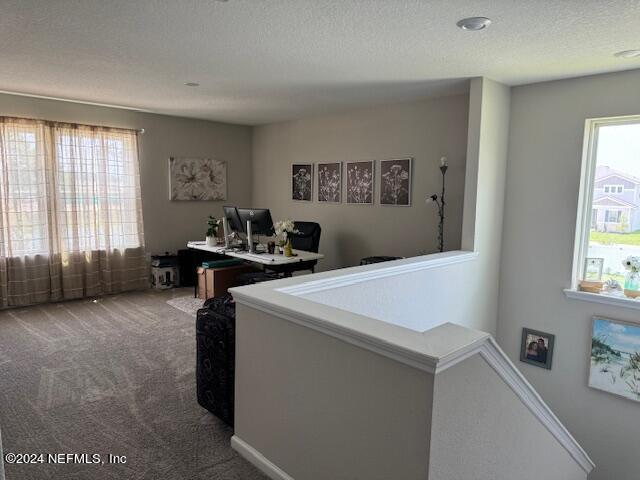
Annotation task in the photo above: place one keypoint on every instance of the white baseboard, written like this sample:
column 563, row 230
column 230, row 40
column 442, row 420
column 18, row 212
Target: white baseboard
column 258, row 460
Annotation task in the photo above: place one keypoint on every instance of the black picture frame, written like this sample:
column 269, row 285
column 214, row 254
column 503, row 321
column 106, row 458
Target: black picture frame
column 329, row 179
column 302, row 182
column 394, row 185
column 360, row 182
column 530, row 336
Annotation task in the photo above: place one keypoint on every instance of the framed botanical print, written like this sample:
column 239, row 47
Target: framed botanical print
column 360, row 177
column 302, row 182
column 395, row 182
column 329, row 182
column 197, row 179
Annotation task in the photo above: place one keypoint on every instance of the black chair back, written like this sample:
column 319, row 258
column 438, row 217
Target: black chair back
column 308, row 236
column 308, row 239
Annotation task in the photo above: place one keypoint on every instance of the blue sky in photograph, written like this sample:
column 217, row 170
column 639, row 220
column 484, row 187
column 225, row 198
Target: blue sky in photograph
column 625, row 338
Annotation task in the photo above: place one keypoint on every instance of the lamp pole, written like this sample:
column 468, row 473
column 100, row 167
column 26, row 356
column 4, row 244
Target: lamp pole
column 440, row 203
column 443, row 169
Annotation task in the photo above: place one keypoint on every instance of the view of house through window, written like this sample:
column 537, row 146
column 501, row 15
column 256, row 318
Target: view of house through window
column 615, row 207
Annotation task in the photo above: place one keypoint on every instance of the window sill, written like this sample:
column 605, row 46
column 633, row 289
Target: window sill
column 603, row 298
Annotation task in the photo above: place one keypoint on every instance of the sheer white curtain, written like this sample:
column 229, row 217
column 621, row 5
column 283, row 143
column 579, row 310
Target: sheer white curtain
column 70, row 212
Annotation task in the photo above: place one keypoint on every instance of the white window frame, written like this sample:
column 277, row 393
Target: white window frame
column 585, row 198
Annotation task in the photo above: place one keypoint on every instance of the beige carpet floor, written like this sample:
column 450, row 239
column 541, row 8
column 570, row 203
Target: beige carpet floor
column 111, row 376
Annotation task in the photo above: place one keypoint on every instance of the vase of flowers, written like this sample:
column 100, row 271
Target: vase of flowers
column 284, row 229
column 632, row 278
column 212, row 231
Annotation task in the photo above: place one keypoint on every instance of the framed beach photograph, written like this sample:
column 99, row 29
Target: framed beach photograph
column 395, row 182
column 360, row 178
column 302, row 182
column 537, row 348
column 329, row 182
column 197, row 179
column 614, row 365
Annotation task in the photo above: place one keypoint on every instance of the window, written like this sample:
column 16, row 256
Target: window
column 608, row 225
column 67, row 188
column 25, row 224
column 612, row 216
column 613, row 188
column 97, row 189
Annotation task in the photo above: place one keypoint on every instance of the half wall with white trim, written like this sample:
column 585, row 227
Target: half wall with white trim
column 325, row 391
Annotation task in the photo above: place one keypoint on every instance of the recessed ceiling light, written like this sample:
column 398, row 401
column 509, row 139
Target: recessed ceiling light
column 192, row 84
column 474, row 23
column 628, row 54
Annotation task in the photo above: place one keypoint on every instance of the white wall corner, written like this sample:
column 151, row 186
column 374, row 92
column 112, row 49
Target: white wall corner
column 487, row 151
column 471, row 166
column 485, row 181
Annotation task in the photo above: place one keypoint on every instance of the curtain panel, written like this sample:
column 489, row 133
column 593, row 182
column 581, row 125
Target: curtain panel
column 70, row 212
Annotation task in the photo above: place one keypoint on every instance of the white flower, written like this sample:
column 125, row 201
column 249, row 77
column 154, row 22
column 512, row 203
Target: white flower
column 283, row 228
column 631, row 263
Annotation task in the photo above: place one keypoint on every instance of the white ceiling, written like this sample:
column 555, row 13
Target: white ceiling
column 261, row 61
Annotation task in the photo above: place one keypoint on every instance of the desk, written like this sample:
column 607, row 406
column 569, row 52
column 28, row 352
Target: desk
column 261, row 258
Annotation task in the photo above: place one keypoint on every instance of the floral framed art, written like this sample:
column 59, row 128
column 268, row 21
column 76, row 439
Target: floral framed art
column 197, row 179
column 302, row 182
column 395, row 182
column 360, row 178
column 329, row 182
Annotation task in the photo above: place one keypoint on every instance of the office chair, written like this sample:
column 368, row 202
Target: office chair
column 308, row 239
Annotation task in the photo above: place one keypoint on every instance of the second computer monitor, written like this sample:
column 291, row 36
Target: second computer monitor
column 261, row 222
column 235, row 224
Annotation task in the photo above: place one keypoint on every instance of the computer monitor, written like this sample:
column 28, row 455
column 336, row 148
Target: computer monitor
column 233, row 218
column 261, row 222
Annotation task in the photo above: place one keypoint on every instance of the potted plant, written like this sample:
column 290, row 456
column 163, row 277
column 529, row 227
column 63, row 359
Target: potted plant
column 284, row 229
column 212, row 231
column 632, row 278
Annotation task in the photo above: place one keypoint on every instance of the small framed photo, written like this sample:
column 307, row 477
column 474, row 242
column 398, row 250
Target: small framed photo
column 302, row 182
column 537, row 348
column 395, row 182
column 329, row 182
column 593, row 269
column 360, row 177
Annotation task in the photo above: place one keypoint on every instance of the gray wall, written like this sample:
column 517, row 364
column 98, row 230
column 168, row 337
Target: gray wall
column 292, row 404
column 482, row 431
column 543, row 175
column 484, row 196
column 425, row 130
column 167, row 225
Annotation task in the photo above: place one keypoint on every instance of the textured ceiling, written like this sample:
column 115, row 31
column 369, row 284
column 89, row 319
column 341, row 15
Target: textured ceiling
column 261, row 61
